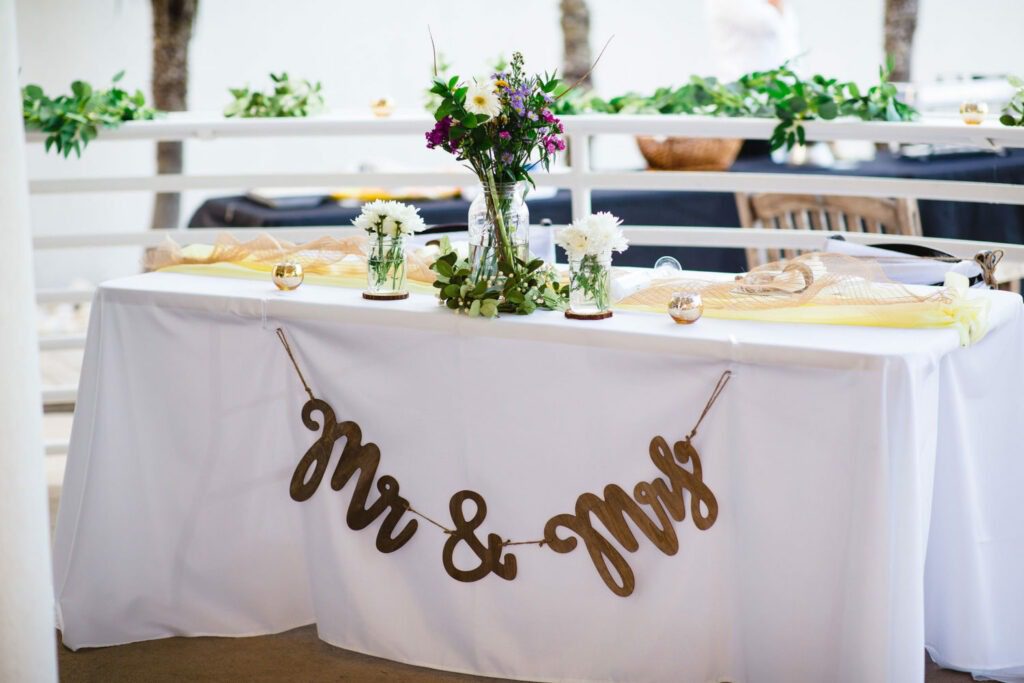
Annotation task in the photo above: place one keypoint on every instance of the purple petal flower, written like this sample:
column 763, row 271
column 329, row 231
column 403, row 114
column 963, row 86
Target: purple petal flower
column 504, row 135
column 506, row 158
column 439, row 135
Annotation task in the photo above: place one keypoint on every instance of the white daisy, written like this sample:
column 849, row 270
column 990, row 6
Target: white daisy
column 482, row 98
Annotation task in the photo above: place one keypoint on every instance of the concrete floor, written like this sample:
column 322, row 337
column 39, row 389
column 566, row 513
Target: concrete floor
column 296, row 655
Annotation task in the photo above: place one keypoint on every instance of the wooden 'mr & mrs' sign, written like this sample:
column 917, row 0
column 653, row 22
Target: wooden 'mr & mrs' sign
column 653, row 507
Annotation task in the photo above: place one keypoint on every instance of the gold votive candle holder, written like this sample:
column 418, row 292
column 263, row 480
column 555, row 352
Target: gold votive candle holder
column 288, row 275
column 686, row 308
column 382, row 107
column 973, row 113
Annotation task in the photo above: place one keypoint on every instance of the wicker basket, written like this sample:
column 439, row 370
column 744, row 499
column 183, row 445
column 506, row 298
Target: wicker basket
column 688, row 154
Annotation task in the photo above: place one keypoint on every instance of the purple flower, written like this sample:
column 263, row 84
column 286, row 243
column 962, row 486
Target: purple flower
column 506, row 158
column 532, row 115
column 439, row 135
column 548, row 116
column 504, row 135
column 553, row 144
column 519, row 96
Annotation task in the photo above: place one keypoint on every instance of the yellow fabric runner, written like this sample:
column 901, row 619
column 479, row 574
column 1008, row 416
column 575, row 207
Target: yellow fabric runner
column 813, row 288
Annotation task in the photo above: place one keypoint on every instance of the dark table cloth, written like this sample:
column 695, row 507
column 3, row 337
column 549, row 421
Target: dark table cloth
column 961, row 220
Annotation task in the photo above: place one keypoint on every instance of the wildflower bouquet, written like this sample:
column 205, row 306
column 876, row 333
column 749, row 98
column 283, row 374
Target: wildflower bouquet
column 387, row 224
column 501, row 127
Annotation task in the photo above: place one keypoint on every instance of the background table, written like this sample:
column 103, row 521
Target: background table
column 961, row 220
column 867, row 481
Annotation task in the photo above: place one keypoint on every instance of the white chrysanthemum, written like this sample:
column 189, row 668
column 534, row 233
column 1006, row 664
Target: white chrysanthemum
column 372, row 215
column 389, row 218
column 408, row 218
column 482, row 98
column 604, row 234
column 573, row 239
column 389, row 226
column 596, row 235
column 364, row 221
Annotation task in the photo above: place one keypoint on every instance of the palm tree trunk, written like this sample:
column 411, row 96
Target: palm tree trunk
column 576, row 42
column 172, row 30
column 900, row 24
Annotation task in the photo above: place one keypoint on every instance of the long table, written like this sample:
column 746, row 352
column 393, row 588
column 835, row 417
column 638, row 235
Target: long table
column 866, row 484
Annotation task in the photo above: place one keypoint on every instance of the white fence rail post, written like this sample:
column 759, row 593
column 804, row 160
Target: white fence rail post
column 579, row 169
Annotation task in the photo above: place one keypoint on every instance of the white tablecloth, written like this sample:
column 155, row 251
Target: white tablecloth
column 868, row 483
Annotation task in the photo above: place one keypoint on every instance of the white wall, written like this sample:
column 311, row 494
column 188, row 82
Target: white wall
column 363, row 50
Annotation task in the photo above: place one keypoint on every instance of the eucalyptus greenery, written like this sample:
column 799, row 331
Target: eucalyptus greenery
column 288, row 97
column 71, row 121
column 779, row 93
column 1013, row 112
column 534, row 285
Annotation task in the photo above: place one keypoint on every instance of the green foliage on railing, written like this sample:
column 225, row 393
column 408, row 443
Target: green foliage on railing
column 1013, row 112
column 287, row 97
column 779, row 93
column 71, row 121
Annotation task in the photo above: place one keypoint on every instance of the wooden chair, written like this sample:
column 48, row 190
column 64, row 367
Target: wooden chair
column 810, row 212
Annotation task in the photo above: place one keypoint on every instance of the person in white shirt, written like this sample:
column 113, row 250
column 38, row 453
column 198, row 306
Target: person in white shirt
column 751, row 35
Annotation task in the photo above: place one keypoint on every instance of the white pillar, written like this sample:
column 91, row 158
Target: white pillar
column 27, row 647
column 579, row 167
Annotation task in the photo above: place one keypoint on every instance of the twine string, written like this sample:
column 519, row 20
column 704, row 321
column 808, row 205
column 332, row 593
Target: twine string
column 295, row 363
column 541, row 542
column 411, row 509
column 722, row 381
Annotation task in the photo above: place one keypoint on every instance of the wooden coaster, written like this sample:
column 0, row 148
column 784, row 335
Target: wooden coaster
column 588, row 316
column 386, row 297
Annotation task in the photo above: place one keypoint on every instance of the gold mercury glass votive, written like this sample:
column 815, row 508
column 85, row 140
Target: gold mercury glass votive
column 686, row 307
column 288, row 275
column 382, row 107
column 973, row 113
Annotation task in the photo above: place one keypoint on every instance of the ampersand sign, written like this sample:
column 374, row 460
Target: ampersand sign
column 489, row 555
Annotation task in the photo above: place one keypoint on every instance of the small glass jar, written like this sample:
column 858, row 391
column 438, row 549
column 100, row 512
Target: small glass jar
column 385, row 264
column 973, row 113
column 590, row 284
column 499, row 230
column 287, row 275
column 686, row 308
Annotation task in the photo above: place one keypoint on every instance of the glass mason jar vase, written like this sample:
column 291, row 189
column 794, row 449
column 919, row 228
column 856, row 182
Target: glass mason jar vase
column 590, row 284
column 385, row 264
column 499, row 230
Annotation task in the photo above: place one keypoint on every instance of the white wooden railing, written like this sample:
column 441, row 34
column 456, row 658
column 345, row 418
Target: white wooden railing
column 578, row 177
